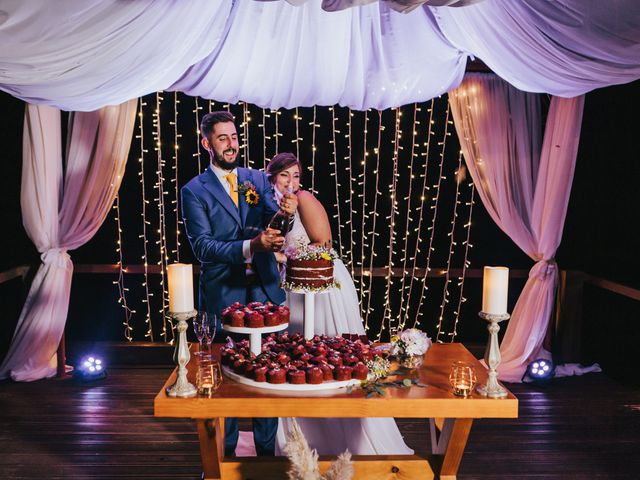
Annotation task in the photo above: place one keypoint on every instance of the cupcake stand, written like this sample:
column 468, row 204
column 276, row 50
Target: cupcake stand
column 255, row 342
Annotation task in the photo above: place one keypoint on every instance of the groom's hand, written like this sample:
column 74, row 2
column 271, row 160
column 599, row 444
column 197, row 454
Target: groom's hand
column 289, row 203
column 268, row 241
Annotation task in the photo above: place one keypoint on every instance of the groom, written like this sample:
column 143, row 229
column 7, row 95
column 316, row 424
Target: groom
column 225, row 212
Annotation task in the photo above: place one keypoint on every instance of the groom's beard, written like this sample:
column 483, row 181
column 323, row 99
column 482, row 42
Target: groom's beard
column 220, row 161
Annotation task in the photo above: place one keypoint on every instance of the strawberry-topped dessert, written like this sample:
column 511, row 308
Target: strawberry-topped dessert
column 292, row 358
column 255, row 315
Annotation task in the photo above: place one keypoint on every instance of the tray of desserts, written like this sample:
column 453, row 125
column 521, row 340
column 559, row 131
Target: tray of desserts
column 292, row 363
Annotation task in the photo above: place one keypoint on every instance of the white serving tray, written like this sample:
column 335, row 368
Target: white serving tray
column 289, row 387
column 275, row 328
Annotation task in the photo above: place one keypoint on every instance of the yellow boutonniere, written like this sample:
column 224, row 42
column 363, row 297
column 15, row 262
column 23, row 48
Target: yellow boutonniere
column 252, row 197
column 250, row 193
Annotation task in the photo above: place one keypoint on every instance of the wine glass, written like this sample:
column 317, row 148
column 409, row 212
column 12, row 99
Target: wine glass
column 199, row 323
column 210, row 325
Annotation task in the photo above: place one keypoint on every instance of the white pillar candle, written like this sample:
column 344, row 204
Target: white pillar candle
column 180, row 280
column 495, row 287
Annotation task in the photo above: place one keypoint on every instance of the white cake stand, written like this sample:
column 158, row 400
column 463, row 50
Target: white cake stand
column 308, row 315
column 255, row 334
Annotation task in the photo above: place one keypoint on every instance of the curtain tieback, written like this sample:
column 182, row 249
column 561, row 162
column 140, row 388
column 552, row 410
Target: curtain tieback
column 56, row 256
column 543, row 269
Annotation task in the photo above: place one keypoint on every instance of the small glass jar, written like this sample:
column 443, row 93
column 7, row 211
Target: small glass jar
column 208, row 375
column 462, row 378
column 411, row 361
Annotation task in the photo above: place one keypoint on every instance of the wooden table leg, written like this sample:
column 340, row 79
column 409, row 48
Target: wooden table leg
column 211, row 435
column 455, row 448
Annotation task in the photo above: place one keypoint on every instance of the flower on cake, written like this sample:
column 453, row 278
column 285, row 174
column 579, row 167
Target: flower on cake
column 409, row 343
column 302, row 251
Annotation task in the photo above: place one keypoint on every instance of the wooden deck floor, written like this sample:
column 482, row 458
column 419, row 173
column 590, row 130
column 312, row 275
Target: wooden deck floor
column 583, row 427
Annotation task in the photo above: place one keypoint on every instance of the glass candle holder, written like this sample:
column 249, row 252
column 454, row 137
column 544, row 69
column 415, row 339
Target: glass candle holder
column 462, row 378
column 208, row 375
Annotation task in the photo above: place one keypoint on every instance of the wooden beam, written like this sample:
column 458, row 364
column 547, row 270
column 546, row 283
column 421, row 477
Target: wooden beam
column 614, row 287
column 369, row 467
column 12, row 273
column 436, row 272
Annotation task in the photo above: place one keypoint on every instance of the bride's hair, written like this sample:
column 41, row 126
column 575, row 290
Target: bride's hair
column 280, row 163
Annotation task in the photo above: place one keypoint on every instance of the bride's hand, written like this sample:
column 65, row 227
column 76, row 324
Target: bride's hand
column 280, row 257
column 289, row 203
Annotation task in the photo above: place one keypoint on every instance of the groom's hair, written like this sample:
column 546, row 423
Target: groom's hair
column 280, row 163
column 209, row 121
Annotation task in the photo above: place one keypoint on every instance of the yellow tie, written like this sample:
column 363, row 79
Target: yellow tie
column 233, row 191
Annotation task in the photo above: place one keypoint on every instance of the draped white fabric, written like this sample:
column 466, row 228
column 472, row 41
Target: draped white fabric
column 84, row 54
column 524, row 184
column 562, row 47
column 275, row 54
column 62, row 214
column 398, row 5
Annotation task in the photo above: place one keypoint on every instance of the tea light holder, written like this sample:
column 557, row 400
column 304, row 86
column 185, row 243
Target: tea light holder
column 492, row 388
column 462, row 378
column 208, row 375
column 182, row 388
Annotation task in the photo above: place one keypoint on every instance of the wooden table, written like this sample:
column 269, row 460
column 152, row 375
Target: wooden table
column 450, row 420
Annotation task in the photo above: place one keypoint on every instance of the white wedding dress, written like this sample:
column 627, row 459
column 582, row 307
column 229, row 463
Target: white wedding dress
column 336, row 312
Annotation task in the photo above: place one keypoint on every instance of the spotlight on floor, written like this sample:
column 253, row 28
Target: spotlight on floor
column 539, row 371
column 91, row 368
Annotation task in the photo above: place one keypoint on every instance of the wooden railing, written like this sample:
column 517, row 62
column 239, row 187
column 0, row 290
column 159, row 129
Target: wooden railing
column 565, row 324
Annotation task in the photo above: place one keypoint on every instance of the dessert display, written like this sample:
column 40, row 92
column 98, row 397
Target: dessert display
column 309, row 267
column 289, row 358
column 255, row 315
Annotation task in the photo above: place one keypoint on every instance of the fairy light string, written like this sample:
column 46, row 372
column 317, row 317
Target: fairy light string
column 363, row 209
column 314, row 125
column 452, row 245
column 198, row 152
column 372, row 233
column 296, row 119
column 334, row 163
column 122, row 299
column 348, row 162
column 409, row 198
column 167, row 325
column 465, row 264
column 393, row 212
column 174, row 180
column 425, row 189
column 431, row 229
column 246, row 118
column 145, row 241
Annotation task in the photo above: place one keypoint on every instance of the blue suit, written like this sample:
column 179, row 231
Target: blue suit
column 216, row 230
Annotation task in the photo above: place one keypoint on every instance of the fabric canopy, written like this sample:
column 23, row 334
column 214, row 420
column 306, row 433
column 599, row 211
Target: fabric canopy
column 85, row 54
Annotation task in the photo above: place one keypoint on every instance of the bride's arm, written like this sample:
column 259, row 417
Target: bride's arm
column 314, row 218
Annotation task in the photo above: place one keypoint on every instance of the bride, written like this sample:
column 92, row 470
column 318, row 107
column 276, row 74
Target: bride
column 336, row 312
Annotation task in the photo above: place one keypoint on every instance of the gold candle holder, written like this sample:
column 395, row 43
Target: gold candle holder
column 462, row 378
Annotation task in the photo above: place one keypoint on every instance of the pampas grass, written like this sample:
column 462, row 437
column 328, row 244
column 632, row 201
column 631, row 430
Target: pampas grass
column 304, row 461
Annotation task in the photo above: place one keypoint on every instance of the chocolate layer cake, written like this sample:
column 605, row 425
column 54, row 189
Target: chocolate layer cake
column 310, row 273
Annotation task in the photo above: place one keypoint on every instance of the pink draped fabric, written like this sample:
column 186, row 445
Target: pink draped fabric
column 60, row 214
column 524, row 185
